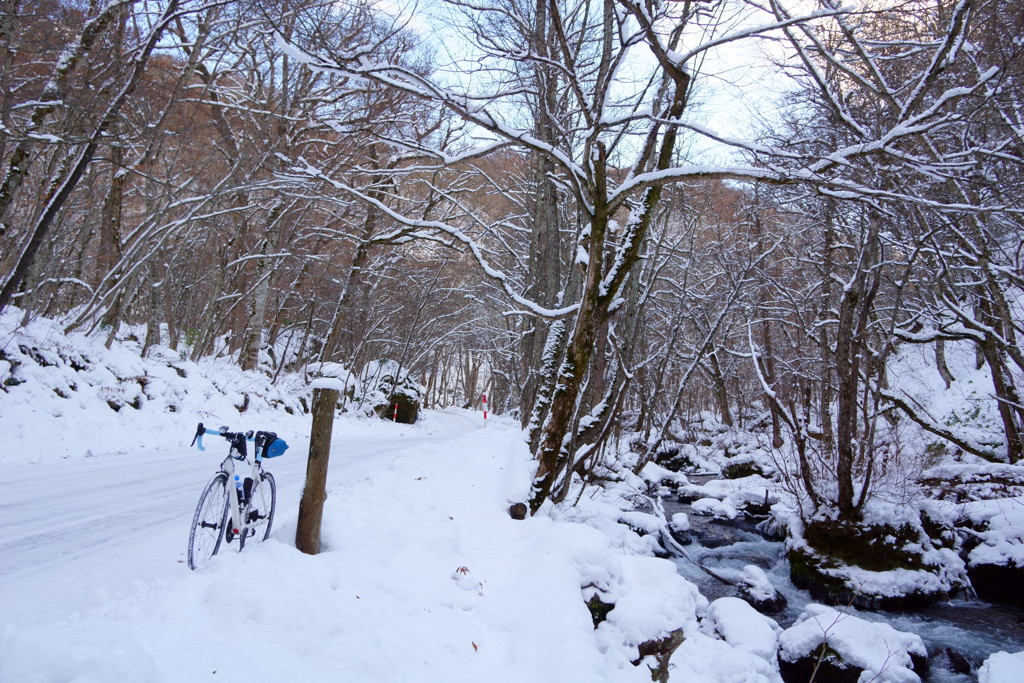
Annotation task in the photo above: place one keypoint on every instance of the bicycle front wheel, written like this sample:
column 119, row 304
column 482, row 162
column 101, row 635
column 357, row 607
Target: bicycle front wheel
column 259, row 513
column 209, row 521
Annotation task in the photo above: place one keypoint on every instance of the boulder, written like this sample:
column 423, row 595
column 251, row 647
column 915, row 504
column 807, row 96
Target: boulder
column 673, row 457
column 997, row 583
column 741, row 467
column 679, row 527
column 952, row 661
column 843, row 648
column 755, row 588
column 891, row 565
column 403, row 407
column 391, row 392
column 996, row 558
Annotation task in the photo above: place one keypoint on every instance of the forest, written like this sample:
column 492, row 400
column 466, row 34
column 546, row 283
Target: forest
column 537, row 201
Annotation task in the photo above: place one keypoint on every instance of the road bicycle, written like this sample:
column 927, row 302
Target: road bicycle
column 240, row 512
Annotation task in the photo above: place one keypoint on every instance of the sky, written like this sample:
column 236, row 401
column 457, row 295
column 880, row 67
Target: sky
column 736, row 93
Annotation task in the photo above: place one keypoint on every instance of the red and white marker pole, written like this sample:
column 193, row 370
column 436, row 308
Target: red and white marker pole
column 485, row 409
column 395, row 418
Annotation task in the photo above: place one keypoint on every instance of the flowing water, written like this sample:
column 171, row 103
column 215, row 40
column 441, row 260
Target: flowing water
column 969, row 629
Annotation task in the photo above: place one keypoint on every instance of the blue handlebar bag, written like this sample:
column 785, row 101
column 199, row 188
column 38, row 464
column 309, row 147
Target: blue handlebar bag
column 278, row 447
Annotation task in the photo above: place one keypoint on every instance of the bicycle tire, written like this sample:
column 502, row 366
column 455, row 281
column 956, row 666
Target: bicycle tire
column 208, row 523
column 261, row 506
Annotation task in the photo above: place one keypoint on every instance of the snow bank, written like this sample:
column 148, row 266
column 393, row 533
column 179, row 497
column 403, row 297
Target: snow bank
column 967, row 406
column 703, row 659
column 82, row 656
column 651, row 600
column 424, row 576
column 743, row 627
column 67, row 396
column 1002, row 667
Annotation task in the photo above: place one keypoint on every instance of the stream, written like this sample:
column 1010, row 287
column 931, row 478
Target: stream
column 968, row 628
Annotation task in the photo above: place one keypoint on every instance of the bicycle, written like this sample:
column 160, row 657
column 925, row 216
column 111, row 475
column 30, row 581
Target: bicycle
column 243, row 511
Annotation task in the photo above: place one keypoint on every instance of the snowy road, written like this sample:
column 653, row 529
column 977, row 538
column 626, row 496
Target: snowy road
column 75, row 532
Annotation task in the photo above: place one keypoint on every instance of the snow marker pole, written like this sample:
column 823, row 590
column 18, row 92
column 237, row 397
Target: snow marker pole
column 395, row 418
column 485, row 409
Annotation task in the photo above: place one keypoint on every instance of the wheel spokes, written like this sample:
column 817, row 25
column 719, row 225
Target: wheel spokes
column 207, row 525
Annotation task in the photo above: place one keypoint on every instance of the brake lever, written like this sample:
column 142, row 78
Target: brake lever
column 198, row 438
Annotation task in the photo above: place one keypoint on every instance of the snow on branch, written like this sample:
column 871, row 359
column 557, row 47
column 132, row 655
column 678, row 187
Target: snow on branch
column 447, row 229
column 358, row 65
column 930, row 425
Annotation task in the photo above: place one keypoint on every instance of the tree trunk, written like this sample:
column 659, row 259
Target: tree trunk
column 600, row 288
column 721, row 389
column 940, row 363
column 255, row 329
column 1006, row 399
column 311, row 507
column 110, row 252
column 769, row 373
column 855, row 311
column 545, row 238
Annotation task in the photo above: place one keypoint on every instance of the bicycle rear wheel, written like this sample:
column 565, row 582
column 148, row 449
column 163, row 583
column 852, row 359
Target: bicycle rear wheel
column 259, row 512
column 208, row 522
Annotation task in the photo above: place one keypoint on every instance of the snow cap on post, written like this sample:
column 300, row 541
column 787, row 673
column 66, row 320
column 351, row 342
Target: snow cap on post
column 335, row 383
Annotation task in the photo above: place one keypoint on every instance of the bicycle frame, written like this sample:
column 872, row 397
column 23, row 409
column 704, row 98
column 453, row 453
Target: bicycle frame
column 240, row 527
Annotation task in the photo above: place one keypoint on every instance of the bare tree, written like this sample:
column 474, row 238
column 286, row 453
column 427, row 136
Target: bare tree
column 612, row 152
column 77, row 160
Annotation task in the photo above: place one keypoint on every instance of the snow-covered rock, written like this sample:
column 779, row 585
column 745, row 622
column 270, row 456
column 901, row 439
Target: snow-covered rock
column 728, row 498
column 849, row 648
column 887, row 560
column 755, row 587
column 680, row 521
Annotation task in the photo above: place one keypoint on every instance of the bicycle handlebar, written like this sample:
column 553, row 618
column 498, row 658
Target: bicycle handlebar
column 261, row 439
column 223, row 431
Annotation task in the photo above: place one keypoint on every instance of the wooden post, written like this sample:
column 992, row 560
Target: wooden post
column 311, row 507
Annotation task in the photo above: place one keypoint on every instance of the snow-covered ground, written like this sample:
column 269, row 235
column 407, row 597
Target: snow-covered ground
column 423, row 575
